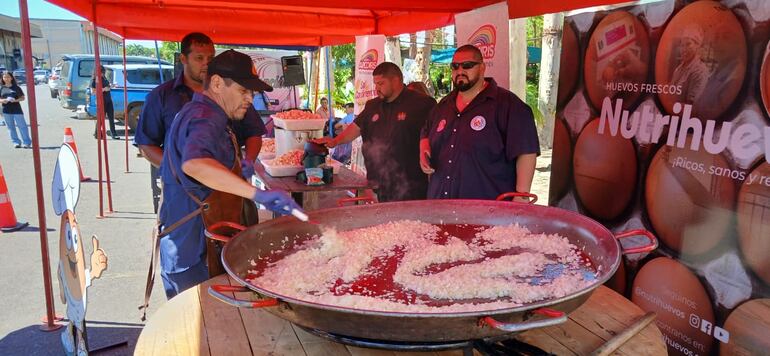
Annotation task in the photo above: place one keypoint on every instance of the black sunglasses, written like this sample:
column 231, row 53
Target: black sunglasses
column 465, row 65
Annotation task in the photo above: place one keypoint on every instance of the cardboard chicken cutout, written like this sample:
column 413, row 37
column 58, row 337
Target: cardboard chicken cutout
column 74, row 278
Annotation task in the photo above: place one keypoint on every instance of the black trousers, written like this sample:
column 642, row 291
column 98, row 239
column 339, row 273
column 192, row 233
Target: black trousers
column 109, row 112
column 155, row 186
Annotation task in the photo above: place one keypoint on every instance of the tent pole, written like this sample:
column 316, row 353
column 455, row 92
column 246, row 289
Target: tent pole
column 329, row 78
column 160, row 68
column 99, row 106
column 50, row 324
column 310, row 78
column 316, row 78
column 100, row 109
column 125, row 100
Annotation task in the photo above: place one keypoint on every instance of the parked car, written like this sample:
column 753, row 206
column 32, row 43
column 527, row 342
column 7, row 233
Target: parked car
column 54, row 80
column 41, row 76
column 141, row 79
column 20, row 75
column 76, row 75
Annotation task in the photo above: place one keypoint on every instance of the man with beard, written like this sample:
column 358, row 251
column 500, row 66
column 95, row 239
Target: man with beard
column 481, row 140
column 390, row 128
column 201, row 171
column 165, row 101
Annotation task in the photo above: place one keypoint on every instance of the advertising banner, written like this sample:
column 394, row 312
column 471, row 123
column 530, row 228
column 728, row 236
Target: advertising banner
column 269, row 69
column 370, row 51
column 487, row 29
column 663, row 124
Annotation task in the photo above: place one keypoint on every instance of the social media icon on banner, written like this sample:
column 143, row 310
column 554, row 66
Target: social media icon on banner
column 705, row 326
column 694, row 321
column 721, row 334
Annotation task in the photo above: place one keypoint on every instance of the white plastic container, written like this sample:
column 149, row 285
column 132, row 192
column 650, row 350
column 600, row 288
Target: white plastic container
column 299, row 124
column 291, row 171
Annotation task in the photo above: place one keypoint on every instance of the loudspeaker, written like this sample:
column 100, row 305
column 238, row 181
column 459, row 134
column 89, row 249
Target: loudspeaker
column 293, row 71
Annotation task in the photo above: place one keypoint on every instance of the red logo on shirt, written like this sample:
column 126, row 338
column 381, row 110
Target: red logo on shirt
column 375, row 117
column 441, row 125
column 478, row 123
column 401, row 116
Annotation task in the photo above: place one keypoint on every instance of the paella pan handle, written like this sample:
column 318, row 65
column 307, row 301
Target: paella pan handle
column 504, row 196
column 343, row 201
column 216, row 226
column 217, row 290
column 555, row 317
column 640, row 249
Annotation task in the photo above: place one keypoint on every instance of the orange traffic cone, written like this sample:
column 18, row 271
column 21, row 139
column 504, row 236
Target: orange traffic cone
column 69, row 139
column 8, row 222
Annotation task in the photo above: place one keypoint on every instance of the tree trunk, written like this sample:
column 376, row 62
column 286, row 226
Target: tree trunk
column 412, row 45
column 549, row 75
column 518, row 57
column 393, row 50
column 422, row 59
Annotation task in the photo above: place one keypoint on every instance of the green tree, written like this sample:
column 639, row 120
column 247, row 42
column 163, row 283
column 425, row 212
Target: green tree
column 135, row 49
column 167, row 50
column 534, row 39
column 344, row 57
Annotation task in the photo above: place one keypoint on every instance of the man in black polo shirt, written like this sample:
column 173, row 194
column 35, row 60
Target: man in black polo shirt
column 481, row 140
column 390, row 128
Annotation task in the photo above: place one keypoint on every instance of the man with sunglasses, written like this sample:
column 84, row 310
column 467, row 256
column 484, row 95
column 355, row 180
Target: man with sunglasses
column 390, row 128
column 481, row 140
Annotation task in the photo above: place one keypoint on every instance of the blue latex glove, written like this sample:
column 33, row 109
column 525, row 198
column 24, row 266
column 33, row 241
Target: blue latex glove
column 276, row 200
column 247, row 169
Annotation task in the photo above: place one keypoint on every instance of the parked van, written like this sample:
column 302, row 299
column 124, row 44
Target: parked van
column 141, row 79
column 76, row 73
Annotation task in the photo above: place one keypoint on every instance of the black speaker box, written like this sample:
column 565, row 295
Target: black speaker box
column 293, row 70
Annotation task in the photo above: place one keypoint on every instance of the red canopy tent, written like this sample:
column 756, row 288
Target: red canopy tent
column 255, row 22
column 290, row 22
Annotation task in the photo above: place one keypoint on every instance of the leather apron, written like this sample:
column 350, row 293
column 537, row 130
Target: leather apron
column 217, row 207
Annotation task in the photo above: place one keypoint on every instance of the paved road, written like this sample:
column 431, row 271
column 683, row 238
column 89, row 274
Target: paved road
column 124, row 235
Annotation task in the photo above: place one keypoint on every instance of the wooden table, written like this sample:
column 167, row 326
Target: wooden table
column 194, row 323
column 307, row 195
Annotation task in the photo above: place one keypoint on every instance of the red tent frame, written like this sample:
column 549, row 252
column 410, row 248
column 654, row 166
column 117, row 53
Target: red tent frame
column 258, row 22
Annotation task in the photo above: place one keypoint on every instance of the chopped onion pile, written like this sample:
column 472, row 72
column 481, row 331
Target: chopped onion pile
column 500, row 267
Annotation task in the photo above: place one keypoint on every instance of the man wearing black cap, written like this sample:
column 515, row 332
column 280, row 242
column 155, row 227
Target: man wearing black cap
column 165, row 101
column 201, row 171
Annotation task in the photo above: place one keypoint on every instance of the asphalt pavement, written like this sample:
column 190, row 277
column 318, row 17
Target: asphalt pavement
column 112, row 315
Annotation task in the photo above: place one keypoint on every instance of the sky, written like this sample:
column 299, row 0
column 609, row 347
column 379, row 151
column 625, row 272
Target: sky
column 44, row 10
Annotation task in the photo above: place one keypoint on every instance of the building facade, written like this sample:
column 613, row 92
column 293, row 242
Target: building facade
column 10, row 42
column 60, row 37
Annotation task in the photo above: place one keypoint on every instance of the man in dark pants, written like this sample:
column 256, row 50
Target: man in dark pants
column 390, row 128
column 165, row 101
column 481, row 141
column 109, row 109
column 201, row 172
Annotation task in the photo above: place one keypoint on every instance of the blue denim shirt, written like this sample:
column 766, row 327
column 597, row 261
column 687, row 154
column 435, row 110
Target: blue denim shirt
column 201, row 130
column 164, row 102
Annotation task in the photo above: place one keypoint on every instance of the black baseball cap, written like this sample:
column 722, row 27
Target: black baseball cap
column 238, row 67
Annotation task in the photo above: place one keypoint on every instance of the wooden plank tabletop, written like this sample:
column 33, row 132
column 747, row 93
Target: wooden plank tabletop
column 344, row 180
column 194, row 323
